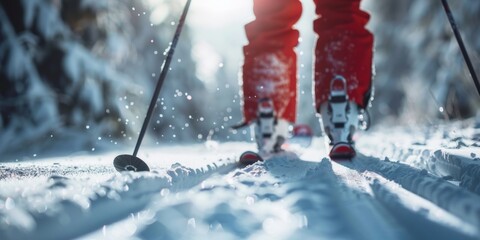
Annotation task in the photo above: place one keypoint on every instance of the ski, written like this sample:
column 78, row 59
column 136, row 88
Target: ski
column 249, row 158
column 342, row 151
column 301, row 138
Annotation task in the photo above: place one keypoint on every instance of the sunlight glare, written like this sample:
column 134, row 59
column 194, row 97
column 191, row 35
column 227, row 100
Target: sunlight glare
column 217, row 13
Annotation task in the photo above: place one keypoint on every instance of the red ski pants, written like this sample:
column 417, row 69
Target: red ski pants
column 344, row 47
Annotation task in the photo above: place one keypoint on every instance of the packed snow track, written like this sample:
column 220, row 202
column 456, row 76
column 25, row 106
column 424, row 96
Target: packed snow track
column 199, row 192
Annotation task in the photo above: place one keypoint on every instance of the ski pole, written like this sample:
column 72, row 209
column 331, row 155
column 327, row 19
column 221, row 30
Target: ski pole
column 161, row 78
column 460, row 44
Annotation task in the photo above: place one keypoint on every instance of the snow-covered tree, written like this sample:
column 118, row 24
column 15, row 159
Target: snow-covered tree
column 421, row 74
column 84, row 70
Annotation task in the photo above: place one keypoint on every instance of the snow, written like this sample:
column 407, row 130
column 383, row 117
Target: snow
column 199, row 191
column 97, row 5
column 45, row 17
column 448, row 151
column 36, row 99
column 408, row 182
column 424, row 66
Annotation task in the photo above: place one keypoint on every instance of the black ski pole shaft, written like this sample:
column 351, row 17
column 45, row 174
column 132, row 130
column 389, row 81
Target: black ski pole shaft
column 460, row 44
column 161, row 78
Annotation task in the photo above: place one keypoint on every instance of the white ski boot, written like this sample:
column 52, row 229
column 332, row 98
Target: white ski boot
column 339, row 118
column 270, row 132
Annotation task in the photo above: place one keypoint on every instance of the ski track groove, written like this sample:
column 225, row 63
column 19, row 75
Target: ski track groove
column 332, row 205
column 456, row 159
column 339, row 198
column 349, row 203
column 392, row 201
column 453, row 199
column 366, row 198
column 416, row 223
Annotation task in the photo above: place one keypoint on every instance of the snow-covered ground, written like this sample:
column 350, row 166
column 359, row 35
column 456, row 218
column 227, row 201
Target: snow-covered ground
column 406, row 183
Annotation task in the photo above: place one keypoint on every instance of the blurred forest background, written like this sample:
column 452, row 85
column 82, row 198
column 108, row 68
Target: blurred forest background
column 77, row 75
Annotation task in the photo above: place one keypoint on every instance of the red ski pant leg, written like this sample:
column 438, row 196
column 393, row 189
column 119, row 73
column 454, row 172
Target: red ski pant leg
column 270, row 66
column 344, row 47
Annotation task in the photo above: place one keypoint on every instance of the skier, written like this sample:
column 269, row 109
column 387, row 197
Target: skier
column 342, row 77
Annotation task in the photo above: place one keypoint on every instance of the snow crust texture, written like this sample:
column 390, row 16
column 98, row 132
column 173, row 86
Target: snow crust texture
column 389, row 191
column 81, row 207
